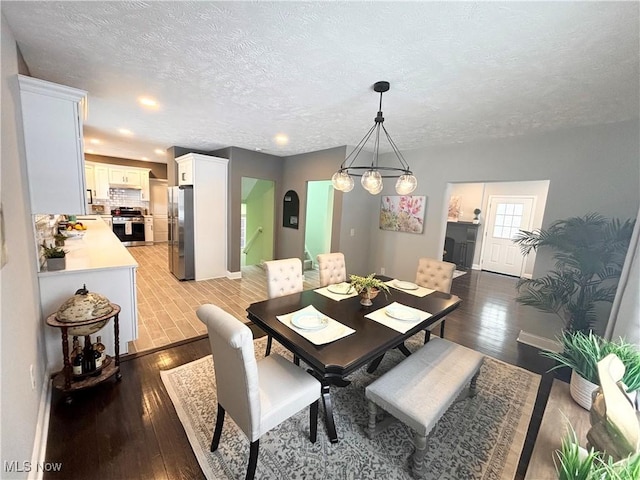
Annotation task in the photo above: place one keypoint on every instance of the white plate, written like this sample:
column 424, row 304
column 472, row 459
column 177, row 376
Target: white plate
column 401, row 313
column 405, row 285
column 309, row 321
column 340, row 288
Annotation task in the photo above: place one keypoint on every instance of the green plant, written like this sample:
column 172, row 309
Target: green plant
column 369, row 282
column 589, row 255
column 582, row 352
column 578, row 464
column 53, row 252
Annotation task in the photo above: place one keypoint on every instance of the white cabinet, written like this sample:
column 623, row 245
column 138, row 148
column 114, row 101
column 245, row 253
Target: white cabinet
column 185, row 170
column 144, row 185
column 89, row 177
column 101, row 179
column 52, row 121
column 209, row 175
column 124, row 176
column 148, row 229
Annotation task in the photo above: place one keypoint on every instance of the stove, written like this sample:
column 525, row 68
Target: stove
column 128, row 225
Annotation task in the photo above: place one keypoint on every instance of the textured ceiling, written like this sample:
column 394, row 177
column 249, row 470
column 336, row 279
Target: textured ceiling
column 238, row 73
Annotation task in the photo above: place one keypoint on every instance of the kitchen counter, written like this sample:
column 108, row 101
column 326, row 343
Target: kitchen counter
column 99, row 261
column 97, row 249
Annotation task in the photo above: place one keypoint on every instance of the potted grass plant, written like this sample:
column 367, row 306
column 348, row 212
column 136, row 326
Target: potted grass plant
column 55, row 257
column 582, row 352
column 368, row 287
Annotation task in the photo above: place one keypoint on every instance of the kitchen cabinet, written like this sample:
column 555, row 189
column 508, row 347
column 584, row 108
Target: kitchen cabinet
column 144, row 184
column 52, row 123
column 124, row 176
column 101, row 179
column 185, row 170
column 89, row 176
column 148, row 230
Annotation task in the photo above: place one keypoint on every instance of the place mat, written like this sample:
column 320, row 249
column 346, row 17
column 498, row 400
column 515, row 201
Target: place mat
column 336, row 296
column 419, row 292
column 332, row 332
column 401, row 326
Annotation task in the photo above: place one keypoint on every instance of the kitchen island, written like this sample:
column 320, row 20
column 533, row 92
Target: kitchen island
column 98, row 260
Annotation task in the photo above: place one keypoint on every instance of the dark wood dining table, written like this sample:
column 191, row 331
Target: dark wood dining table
column 333, row 362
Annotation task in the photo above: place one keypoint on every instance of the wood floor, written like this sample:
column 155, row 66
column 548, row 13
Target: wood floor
column 129, row 430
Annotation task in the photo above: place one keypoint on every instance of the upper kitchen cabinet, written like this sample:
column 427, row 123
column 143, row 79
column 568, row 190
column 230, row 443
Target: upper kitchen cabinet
column 101, row 180
column 124, row 176
column 145, row 193
column 52, row 120
column 185, row 170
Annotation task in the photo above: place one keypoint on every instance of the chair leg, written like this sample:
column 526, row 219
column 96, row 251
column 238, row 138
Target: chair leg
column 442, row 328
column 253, row 460
column 218, row 430
column 268, row 350
column 313, row 421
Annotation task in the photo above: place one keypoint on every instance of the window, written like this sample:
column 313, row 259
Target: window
column 508, row 220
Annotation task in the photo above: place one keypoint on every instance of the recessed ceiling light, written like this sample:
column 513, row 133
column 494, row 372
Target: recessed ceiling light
column 95, row 141
column 148, row 102
column 281, row 139
column 144, row 158
column 89, row 151
column 159, row 151
column 258, row 149
column 125, row 131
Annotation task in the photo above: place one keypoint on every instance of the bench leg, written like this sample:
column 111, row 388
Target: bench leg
column 372, row 419
column 419, row 455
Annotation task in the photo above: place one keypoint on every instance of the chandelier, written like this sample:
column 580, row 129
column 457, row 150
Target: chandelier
column 371, row 175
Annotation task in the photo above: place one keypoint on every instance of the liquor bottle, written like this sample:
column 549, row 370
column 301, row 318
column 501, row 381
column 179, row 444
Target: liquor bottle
column 100, row 348
column 97, row 361
column 89, row 359
column 78, row 362
column 74, row 350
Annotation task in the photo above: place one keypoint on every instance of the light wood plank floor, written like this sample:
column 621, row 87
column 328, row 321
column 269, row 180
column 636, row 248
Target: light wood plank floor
column 166, row 306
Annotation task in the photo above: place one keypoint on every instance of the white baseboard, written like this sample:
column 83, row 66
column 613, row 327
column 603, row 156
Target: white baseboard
column 537, row 341
column 234, row 275
column 527, row 275
column 39, row 452
column 476, row 266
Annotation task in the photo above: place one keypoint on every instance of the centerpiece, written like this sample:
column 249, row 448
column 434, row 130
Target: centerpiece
column 55, row 257
column 368, row 287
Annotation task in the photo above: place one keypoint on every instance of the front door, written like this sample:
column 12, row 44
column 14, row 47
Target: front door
column 507, row 215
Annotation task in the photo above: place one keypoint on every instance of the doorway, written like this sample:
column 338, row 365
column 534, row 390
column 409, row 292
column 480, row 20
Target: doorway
column 257, row 220
column 319, row 218
column 506, row 216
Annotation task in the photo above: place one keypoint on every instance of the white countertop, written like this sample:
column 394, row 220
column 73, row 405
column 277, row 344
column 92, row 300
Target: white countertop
column 98, row 249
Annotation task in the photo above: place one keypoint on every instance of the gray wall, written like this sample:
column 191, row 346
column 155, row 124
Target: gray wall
column 21, row 325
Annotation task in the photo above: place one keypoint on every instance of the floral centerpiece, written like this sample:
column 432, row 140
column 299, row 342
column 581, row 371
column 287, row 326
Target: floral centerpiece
column 368, row 287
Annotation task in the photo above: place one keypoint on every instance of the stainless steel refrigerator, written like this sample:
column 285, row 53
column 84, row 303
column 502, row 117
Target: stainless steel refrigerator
column 181, row 238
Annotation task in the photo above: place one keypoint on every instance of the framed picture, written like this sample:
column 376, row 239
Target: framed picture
column 404, row 213
column 455, row 203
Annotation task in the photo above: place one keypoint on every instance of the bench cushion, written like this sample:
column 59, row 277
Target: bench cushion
column 420, row 389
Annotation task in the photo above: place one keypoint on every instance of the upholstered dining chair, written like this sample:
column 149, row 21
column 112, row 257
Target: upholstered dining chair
column 436, row 275
column 332, row 268
column 258, row 395
column 284, row 277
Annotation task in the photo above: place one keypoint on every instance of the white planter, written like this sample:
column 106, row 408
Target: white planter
column 581, row 390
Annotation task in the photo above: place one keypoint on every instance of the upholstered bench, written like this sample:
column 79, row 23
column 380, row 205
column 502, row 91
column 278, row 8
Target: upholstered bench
column 420, row 389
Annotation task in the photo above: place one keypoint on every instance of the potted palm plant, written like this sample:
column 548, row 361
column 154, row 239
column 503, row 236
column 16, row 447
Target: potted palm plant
column 589, row 255
column 55, row 257
column 368, row 287
column 582, row 352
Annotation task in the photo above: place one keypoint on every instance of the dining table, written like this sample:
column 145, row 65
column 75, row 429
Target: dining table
column 363, row 334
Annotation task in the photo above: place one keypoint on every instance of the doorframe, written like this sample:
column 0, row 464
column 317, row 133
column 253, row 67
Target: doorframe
column 534, row 199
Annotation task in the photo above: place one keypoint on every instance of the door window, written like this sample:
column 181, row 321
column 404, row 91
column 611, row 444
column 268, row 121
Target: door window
column 508, row 220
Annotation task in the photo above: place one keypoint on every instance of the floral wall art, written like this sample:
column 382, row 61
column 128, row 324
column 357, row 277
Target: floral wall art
column 404, row 213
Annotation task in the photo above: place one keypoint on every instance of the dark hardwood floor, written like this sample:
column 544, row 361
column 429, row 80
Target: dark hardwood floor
column 129, row 430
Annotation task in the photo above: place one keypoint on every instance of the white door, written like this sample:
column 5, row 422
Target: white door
column 507, row 215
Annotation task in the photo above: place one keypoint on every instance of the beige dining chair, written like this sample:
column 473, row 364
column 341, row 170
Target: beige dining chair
column 258, row 395
column 332, row 268
column 284, row 277
column 437, row 275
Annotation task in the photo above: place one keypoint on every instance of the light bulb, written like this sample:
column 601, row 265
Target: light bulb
column 406, row 184
column 342, row 181
column 348, row 183
column 371, row 180
column 376, row 190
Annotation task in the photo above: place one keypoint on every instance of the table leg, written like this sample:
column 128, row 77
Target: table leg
column 328, row 413
column 373, row 365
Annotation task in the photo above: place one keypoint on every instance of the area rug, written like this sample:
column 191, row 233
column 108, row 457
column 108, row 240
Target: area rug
column 478, row 438
column 458, row 273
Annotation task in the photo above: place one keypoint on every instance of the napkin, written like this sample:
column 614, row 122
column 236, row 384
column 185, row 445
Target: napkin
column 336, row 296
column 419, row 292
column 332, row 332
column 402, row 326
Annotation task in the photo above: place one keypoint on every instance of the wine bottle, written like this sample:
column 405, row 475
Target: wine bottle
column 100, row 348
column 97, row 361
column 78, row 362
column 89, row 359
column 74, row 350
